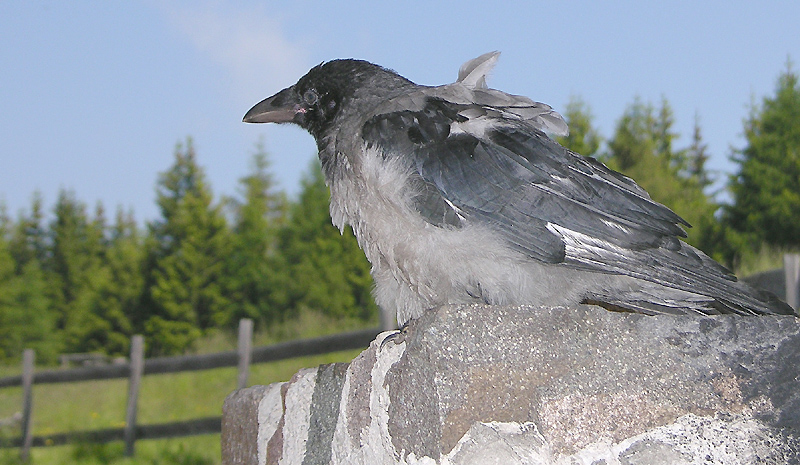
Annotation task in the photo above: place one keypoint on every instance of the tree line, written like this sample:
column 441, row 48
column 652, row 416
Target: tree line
column 80, row 282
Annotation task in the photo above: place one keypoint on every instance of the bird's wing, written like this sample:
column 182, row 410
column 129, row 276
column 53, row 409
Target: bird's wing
column 480, row 163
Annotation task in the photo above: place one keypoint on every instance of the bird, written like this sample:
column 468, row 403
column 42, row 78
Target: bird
column 459, row 194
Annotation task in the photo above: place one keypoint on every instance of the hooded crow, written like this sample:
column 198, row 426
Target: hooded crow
column 457, row 194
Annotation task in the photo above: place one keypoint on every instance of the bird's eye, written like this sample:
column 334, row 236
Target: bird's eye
column 310, row 97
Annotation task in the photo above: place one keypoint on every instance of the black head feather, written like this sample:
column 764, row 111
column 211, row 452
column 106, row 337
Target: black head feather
column 329, row 87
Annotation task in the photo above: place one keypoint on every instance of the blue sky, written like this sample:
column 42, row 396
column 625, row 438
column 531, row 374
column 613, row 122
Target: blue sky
column 94, row 96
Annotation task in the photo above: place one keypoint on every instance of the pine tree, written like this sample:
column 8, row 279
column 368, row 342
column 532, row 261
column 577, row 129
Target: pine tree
column 187, row 257
column 766, row 189
column 329, row 273
column 256, row 277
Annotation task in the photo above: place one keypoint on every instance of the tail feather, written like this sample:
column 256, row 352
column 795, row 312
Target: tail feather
column 652, row 299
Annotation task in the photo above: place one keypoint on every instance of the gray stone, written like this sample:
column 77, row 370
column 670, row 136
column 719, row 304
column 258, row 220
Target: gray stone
column 530, row 385
column 240, row 423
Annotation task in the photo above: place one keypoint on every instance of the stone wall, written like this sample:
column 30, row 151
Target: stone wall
column 529, row 385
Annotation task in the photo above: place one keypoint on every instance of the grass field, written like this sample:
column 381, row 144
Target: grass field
column 162, row 399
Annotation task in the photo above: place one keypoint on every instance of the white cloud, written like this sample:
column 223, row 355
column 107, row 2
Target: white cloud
column 249, row 42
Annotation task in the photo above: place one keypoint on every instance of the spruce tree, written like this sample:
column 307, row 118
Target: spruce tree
column 28, row 240
column 766, row 188
column 25, row 317
column 633, row 143
column 642, row 148
column 583, row 138
column 120, row 288
column 257, row 277
column 187, row 256
column 74, row 267
column 697, row 156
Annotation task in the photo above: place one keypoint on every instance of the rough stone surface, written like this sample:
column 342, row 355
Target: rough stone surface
column 241, row 420
column 530, row 385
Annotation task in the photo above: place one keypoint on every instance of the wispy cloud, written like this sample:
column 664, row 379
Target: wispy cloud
column 248, row 41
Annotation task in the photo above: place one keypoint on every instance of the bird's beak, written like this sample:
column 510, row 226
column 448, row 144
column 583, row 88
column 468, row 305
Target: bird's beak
column 280, row 108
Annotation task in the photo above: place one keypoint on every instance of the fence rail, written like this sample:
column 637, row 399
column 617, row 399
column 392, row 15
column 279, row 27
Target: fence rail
column 162, row 365
column 242, row 358
column 158, row 431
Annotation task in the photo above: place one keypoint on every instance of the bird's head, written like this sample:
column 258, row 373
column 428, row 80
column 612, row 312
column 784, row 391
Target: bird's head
column 324, row 92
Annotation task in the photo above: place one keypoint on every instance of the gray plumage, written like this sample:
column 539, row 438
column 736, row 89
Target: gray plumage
column 457, row 195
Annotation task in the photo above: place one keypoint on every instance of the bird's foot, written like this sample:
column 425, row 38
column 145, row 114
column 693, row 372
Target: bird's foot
column 397, row 337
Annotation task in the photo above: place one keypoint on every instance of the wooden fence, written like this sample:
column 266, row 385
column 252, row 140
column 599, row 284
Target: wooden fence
column 138, row 366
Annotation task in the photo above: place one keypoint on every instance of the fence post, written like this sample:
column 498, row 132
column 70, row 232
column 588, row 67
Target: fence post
column 28, row 365
column 137, row 367
column 245, row 350
column 791, row 271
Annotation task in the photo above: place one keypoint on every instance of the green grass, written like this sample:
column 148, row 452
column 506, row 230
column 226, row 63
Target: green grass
column 165, row 398
column 196, row 450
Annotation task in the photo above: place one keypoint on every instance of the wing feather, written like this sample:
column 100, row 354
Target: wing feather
column 477, row 164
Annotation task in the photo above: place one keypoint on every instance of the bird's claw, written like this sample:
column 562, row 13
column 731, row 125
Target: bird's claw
column 397, row 337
